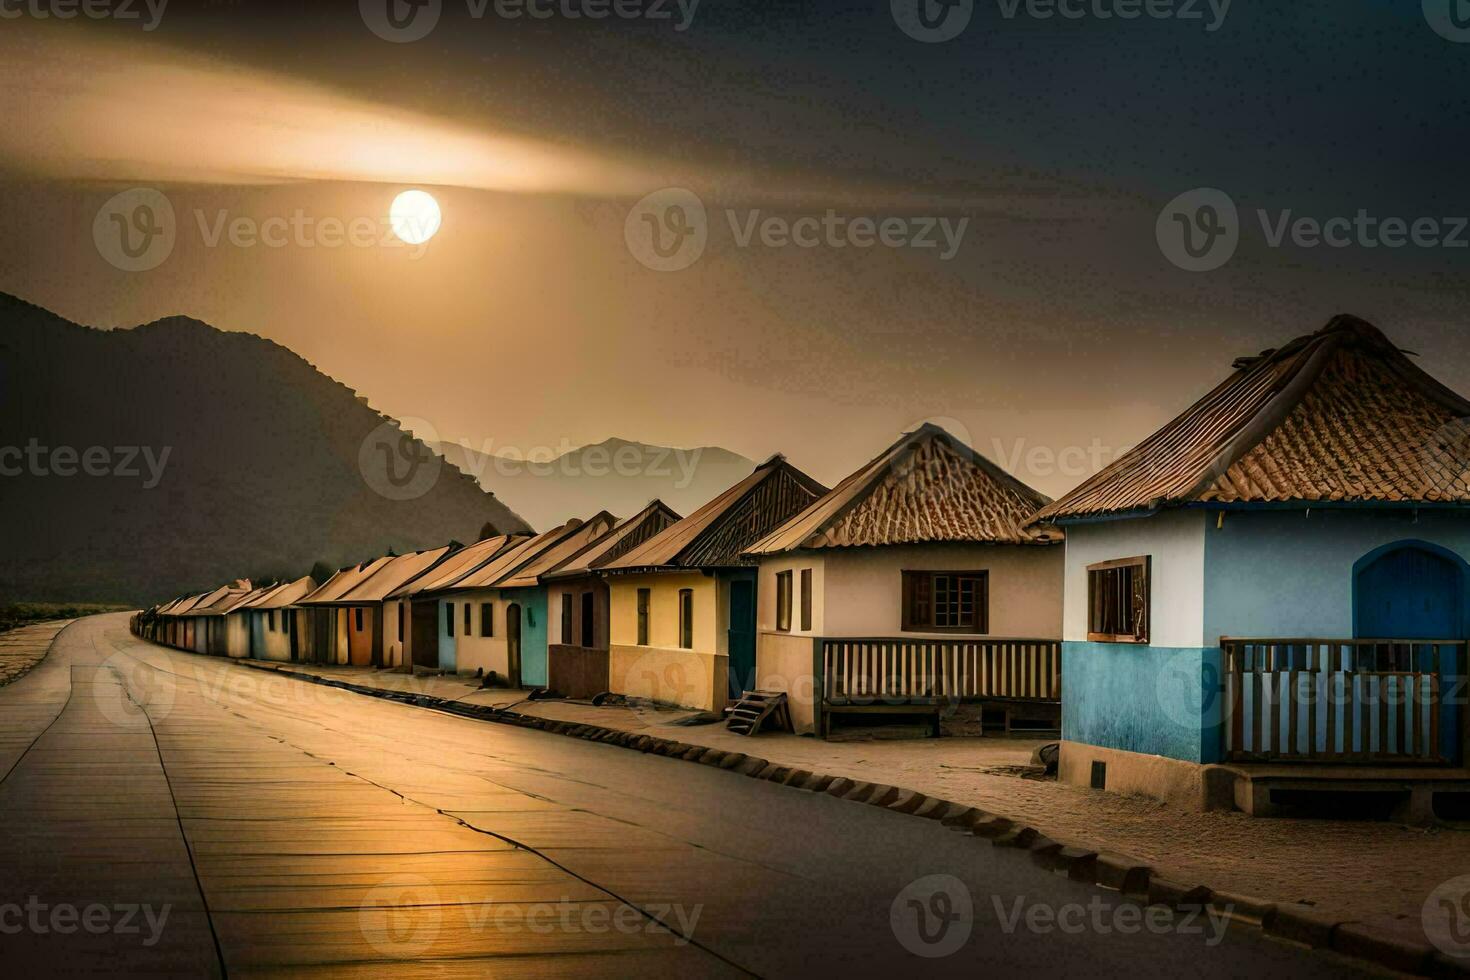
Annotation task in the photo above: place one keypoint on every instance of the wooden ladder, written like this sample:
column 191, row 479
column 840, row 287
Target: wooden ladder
column 754, row 707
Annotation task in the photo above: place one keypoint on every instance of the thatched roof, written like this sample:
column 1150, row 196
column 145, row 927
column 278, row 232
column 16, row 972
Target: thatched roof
column 1341, row 415
column 717, row 534
column 926, row 488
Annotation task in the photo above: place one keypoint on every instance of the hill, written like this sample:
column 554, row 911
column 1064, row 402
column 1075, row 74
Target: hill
column 138, row 464
column 615, row 475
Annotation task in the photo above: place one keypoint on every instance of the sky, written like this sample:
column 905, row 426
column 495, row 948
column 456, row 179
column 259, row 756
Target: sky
column 1026, row 174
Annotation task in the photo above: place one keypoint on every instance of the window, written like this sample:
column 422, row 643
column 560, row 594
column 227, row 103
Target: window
column 566, row 617
column 783, row 601
column 1117, row 601
column 946, row 602
column 357, row 619
column 402, row 611
column 449, row 619
column 468, row 630
column 589, row 635
column 270, row 619
column 686, row 618
column 487, row 619
column 643, row 596
column 806, row 599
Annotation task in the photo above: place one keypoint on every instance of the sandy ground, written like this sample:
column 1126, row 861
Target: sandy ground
column 1366, row 869
column 22, row 648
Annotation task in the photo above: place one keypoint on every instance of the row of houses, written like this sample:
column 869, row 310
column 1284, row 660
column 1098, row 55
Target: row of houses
column 1267, row 596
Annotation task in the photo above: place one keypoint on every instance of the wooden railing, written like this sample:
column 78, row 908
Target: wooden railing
column 896, row 670
column 1320, row 700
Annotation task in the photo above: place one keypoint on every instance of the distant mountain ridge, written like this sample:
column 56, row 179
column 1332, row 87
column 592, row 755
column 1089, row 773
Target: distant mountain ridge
column 616, row 474
column 139, row 463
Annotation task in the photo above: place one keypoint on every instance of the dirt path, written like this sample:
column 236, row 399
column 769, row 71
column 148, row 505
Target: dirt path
column 24, row 647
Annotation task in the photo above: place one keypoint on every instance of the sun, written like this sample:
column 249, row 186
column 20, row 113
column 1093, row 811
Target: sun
column 415, row 216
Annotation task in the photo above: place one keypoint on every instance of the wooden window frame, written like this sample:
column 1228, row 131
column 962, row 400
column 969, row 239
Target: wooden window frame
column 783, row 601
column 806, row 600
column 645, row 616
column 357, row 619
column 686, row 619
column 1143, row 630
column 469, row 620
column 920, row 581
column 487, row 619
column 566, row 619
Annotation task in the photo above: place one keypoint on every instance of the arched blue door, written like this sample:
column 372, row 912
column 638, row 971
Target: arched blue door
column 1408, row 593
column 1413, row 591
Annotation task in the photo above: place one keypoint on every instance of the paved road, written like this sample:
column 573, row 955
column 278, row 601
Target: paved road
column 170, row 813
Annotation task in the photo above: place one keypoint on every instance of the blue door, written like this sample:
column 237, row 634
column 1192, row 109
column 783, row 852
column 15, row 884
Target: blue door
column 1408, row 593
column 1413, row 593
column 742, row 637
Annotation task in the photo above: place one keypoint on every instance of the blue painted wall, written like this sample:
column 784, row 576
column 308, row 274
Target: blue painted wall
column 533, row 633
column 446, row 642
column 1290, row 573
column 1153, row 700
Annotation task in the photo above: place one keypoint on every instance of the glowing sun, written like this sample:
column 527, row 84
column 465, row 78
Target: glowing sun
column 415, row 216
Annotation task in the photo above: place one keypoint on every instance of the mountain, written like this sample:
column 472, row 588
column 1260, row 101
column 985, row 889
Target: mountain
column 614, row 475
column 138, row 464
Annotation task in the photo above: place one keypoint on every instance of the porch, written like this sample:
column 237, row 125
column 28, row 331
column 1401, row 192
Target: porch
column 1013, row 684
column 1359, row 701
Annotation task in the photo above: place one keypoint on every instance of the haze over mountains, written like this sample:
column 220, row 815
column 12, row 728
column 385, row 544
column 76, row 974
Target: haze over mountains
column 615, row 475
column 138, row 464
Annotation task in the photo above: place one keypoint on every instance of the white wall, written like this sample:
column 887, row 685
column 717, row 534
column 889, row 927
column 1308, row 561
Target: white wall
column 1175, row 541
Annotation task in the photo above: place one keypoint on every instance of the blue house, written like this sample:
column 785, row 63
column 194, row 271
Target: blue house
column 1268, row 597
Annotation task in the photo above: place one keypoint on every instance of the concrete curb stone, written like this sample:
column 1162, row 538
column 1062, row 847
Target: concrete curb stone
column 1122, row 873
column 1399, row 949
column 1300, row 923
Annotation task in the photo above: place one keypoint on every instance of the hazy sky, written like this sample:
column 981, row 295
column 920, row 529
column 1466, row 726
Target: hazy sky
column 1055, row 323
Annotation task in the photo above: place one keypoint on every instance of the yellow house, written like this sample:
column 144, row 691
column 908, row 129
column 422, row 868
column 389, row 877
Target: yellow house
column 916, row 585
column 682, row 606
column 411, row 613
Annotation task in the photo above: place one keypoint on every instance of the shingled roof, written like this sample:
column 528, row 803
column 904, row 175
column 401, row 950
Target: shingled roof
column 1341, row 415
column 622, row 539
column 928, row 487
column 345, row 581
column 280, row 596
column 398, row 572
column 717, row 534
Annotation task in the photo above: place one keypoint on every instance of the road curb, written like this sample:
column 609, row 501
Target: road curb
column 1291, row 922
